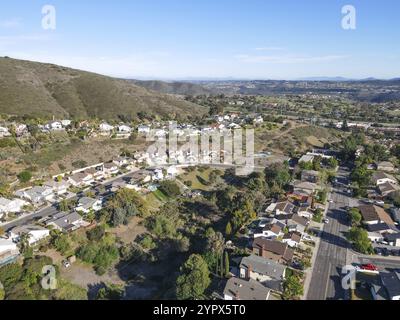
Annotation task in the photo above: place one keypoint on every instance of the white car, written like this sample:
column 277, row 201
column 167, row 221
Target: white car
column 326, row 220
column 330, row 201
column 66, row 264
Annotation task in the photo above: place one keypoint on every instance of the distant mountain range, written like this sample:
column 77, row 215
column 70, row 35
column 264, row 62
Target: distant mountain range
column 46, row 90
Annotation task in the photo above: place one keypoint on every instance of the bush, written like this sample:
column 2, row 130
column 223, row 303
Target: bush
column 147, row 242
column 25, row 176
column 96, row 234
column 170, row 188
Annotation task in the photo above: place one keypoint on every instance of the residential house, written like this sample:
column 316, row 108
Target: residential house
column 395, row 214
column 269, row 231
column 8, row 251
column 305, row 188
column 66, row 122
column 121, row 161
column 4, row 132
column 380, row 177
column 292, row 239
column 388, row 288
column 54, row 126
column 144, row 129
column 124, row 129
column 385, row 166
column 392, row 238
column 388, row 189
column 310, row 176
column 272, row 249
column 158, row 175
column 110, row 169
column 240, row 289
column 37, row 194
column 172, row 171
column 265, row 271
column 141, row 176
column 81, row 179
column 106, row 128
column 284, row 207
column 59, row 187
column 297, row 224
column 306, row 158
column 372, row 214
column 87, row 204
column 11, row 206
column 34, row 233
column 67, row 222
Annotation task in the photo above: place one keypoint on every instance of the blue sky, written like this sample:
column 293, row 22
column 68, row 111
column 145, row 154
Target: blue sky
column 181, row 39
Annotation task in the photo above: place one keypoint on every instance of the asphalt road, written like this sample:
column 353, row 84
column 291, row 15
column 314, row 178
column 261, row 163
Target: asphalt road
column 331, row 257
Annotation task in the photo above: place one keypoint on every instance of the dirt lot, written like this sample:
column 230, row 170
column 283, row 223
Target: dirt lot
column 129, row 232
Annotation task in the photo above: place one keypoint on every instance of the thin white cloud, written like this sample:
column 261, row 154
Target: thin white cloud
column 11, row 23
column 269, row 49
column 287, row 59
column 18, row 39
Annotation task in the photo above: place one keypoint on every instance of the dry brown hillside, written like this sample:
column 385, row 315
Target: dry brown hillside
column 44, row 90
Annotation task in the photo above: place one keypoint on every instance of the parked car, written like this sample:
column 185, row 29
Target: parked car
column 66, row 264
column 369, row 267
column 326, row 220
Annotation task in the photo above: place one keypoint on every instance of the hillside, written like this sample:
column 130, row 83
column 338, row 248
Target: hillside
column 180, row 88
column 44, row 90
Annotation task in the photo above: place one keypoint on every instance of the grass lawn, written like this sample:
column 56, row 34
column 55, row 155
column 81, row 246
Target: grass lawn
column 193, row 176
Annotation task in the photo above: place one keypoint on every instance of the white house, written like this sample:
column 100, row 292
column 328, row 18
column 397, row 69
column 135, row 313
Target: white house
column 12, row 206
column 59, row 187
column 172, row 171
column 36, row 194
column 124, row 129
column 8, row 251
column 144, row 129
column 87, row 204
column 66, row 123
column 105, row 127
column 4, row 132
column 158, row 175
column 81, row 179
column 380, row 177
column 110, row 169
column 35, row 233
column 54, row 126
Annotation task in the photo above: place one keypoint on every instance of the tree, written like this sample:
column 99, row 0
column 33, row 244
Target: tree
column 194, row 278
column 292, row 288
column 2, row 293
column 359, row 238
column 96, row 234
column 228, row 229
column 278, row 174
column 62, row 244
column 110, row 292
column 226, row 264
column 355, row 216
column 24, row 176
column 170, row 188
